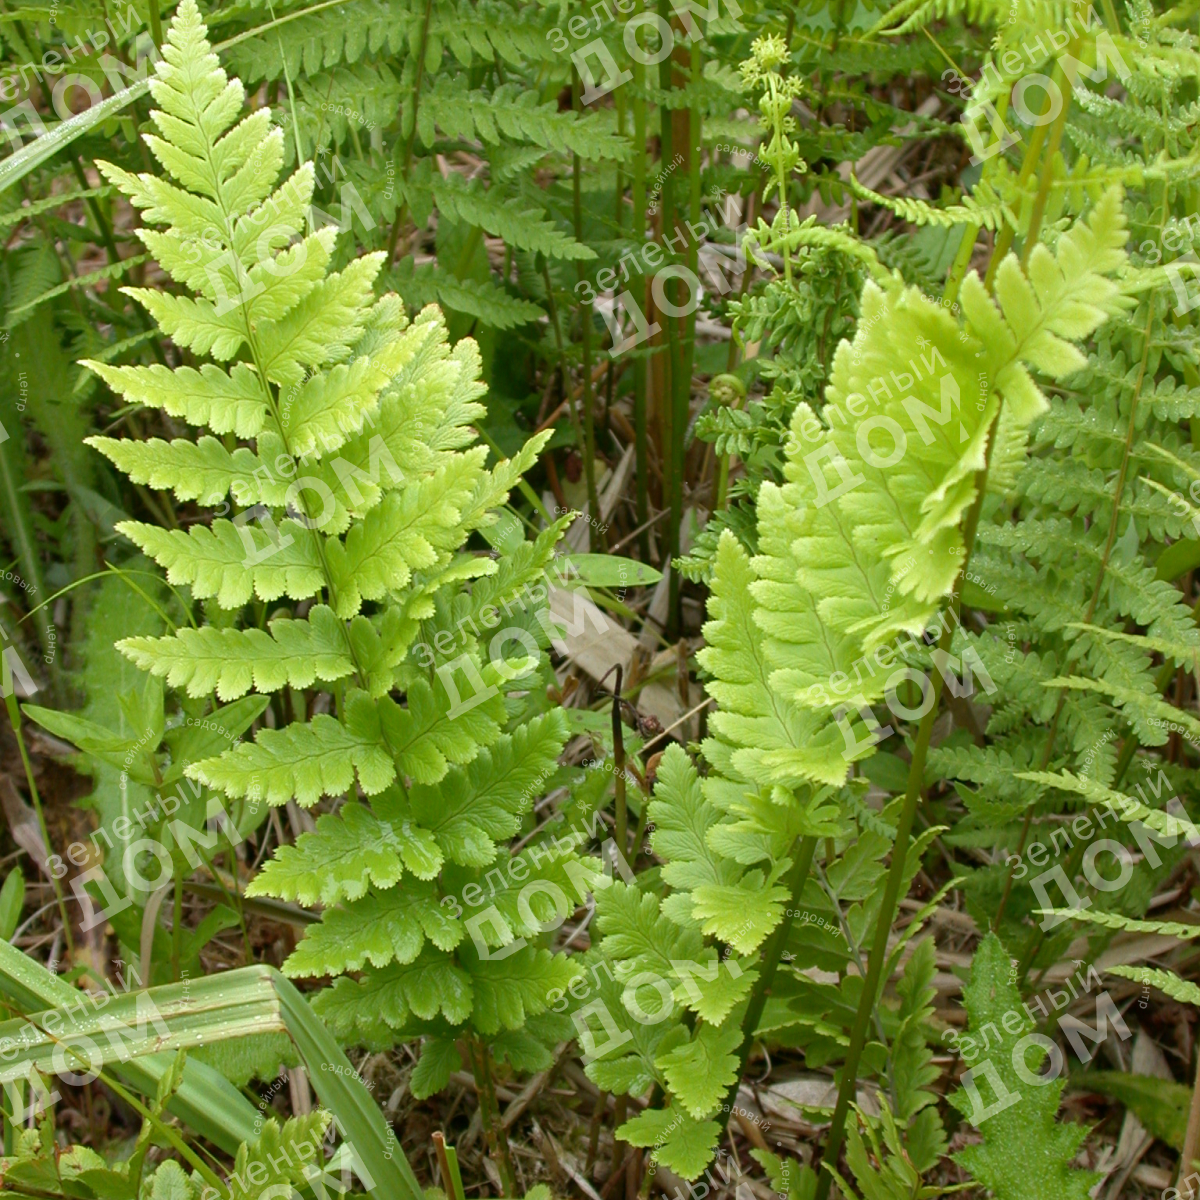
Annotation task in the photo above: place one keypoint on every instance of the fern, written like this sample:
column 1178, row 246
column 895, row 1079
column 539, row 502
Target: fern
column 1179, row 989
column 369, row 415
column 988, row 212
column 844, row 564
column 895, row 1176
column 332, row 609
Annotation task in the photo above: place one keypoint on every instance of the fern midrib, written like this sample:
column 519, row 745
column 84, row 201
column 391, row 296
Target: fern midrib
column 900, row 846
column 252, row 343
column 474, row 794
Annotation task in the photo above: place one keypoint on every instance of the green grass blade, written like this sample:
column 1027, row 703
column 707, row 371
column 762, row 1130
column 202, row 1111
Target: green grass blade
column 14, row 168
column 207, row 1102
column 344, row 1094
column 130, row 1029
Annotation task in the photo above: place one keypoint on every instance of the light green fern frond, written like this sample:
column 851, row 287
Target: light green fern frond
column 361, row 485
column 984, row 208
column 1114, row 920
column 1182, row 990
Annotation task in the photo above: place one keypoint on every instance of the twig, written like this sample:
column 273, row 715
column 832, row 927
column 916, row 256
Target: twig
column 658, row 737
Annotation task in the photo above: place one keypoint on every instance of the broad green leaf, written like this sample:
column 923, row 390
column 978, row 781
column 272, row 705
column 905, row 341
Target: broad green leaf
column 679, row 1143
column 1026, row 1153
column 612, row 571
column 701, row 1070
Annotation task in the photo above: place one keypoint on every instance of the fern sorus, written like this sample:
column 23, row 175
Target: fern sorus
column 344, row 436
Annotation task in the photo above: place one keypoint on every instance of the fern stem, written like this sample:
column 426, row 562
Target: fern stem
column 620, row 1107
column 672, row 430
column 620, row 809
column 895, row 878
column 619, row 179
column 891, row 896
column 585, row 334
column 962, row 260
column 291, row 94
column 856, row 953
column 493, row 1125
column 695, row 152
column 563, row 382
column 1118, row 492
column 772, row 953
column 637, row 286
column 23, row 538
column 177, row 923
column 1056, row 135
column 406, row 162
column 1004, row 239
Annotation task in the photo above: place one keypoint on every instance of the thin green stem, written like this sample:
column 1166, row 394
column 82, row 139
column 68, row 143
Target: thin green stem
column 772, row 953
column 673, row 429
column 1004, row 239
column 177, row 923
column 564, row 382
column 962, row 260
column 588, row 449
column 683, row 385
column 619, row 179
column 895, row 878
column 1047, row 178
column 620, row 811
column 14, row 717
column 406, row 156
column 489, row 1109
column 637, row 287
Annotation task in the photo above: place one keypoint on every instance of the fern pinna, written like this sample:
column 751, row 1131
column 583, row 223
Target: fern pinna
column 361, row 485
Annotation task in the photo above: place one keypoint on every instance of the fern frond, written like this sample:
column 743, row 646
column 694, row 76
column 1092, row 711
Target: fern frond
column 1182, row 990
column 1115, row 920
column 990, row 212
column 383, row 927
column 513, row 113
column 227, row 402
column 344, row 856
column 512, row 219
